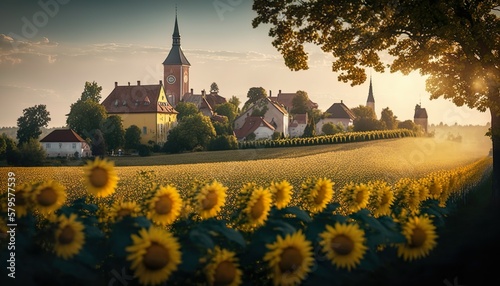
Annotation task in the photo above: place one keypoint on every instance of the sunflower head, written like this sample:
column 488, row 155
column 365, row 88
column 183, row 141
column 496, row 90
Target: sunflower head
column 281, row 192
column 154, row 255
column 257, row 207
column 100, row 177
column 316, row 194
column 23, row 199
column 222, row 268
column 165, row 206
column 69, row 236
column 355, row 196
column 289, row 259
column 210, row 199
column 344, row 245
column 48, row 196
column 121, row 209
column 381, row 198
column 421, row 238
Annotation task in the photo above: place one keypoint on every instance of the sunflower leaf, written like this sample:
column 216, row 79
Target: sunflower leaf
column 201, row 238
column 299, row 214
column 229, row 233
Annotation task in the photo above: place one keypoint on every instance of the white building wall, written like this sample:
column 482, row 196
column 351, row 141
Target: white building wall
column 66, row 149
column 263, row 133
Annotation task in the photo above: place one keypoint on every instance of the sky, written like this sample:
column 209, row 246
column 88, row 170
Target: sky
column 50, row 48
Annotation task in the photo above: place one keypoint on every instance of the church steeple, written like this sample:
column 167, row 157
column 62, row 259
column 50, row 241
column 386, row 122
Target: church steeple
column 370, row 102
column 176, row 69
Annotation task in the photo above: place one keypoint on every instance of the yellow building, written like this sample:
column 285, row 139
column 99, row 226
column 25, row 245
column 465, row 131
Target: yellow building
column 145, row 106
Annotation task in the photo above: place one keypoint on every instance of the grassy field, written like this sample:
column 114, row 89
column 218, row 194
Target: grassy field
column 387, row 160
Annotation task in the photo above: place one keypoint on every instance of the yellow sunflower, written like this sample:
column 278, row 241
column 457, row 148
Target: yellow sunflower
column 223, row 268
column 281, row 192
column 210, row 199
column 165, row 206
column 290, row 259
column 421, row 238
column 317, row 194
column 355, row 196
column 154, row 255
column 69, row 236
column 100, row 176
column 344, row 244
column 22, row 199
column 121, row 209
column 48, row 196
column 381, row 198
column 258, row 207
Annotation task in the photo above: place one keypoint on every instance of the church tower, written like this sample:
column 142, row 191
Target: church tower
column 370, row 102
column 176, row 70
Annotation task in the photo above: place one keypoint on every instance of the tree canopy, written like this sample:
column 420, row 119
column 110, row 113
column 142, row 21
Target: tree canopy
column 195, row 131
column 214, row 88
column 31, row 122
column 254, row 94
column 389, row 119
column 185, row 109
column 454, row 43
column 113, row 132
column 86, row 116
column 132, row 137
column 91, row 91
column 300, row 103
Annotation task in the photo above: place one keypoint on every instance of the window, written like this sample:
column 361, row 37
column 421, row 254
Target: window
column 47, row 145
column 60, row 145
column 144, row 130
column 74, row 145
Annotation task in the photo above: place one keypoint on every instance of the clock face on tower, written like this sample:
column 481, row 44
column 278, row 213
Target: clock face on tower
column 185, row 77
column 170, row 79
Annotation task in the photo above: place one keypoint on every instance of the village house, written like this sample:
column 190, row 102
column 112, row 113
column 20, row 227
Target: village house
column 337, row 113
column 272, row 112
column 65, row 143
column 286, row 100
column 297, row 125
column 255, row 125
column 145, row 106
column 420, row 117
column 206, row 103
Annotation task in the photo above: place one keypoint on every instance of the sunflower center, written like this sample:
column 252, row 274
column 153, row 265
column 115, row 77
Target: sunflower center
column 360, row 197
column 342, row 244
column 98, row 177
column 156, row 257
column 67, row 235
column 280, row 195
column 225, row 273
column 290, row 260
column 320, row 197
column 209, row 201
column 124, row 212
column 384, row 200
column 163, row 205
column 418, row 237
column 47, row 197
column 257, row 209
column 20, row 200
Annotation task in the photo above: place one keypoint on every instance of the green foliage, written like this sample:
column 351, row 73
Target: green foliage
column 186, row 109
column 364, row 112
column 408, row 124
column 214, row 88
column 98, row 143
column 388, row 118
column 193, row 131
column 310, row 130
column 300, row 103
column 227, row 109
column 253, row 95
column 132, row 137
column 86, row 116
column 235, row 101
column 91, row 91
column 367, row 124
column 144, row 150
column 222, row 128
column 31, row 153
column 331, row 129
column 113, row 131
column 223, row 142
column 31, row 121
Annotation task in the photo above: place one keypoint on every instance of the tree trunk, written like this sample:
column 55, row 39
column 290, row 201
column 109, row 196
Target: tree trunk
column 495, row 136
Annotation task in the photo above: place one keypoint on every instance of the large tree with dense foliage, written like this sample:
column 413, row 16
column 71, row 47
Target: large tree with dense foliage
column 389, row 119
column 92, row 91
column 300, row 103
column 31, row 122
column 185, row 109
column 254, row 94
column 85, row 116
column 194, row 131
column 455, row 43
column 113, row 132
column 132, row 137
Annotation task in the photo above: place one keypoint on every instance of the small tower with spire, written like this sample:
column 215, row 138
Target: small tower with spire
column 176, row 69
column 370, row 102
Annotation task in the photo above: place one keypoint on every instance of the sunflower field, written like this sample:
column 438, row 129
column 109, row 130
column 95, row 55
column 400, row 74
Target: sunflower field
column 307, row 230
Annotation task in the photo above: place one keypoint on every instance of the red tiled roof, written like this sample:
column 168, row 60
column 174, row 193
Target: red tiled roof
column 62, row 135
column 340, row 110
column 420, row 112
column 215, row 99
column 298, row 119
column 251, row 124
column 286, row 99
column 136, row 99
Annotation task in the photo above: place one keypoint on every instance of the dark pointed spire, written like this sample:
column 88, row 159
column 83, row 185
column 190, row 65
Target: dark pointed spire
column 176, row 56
column 370, row 92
